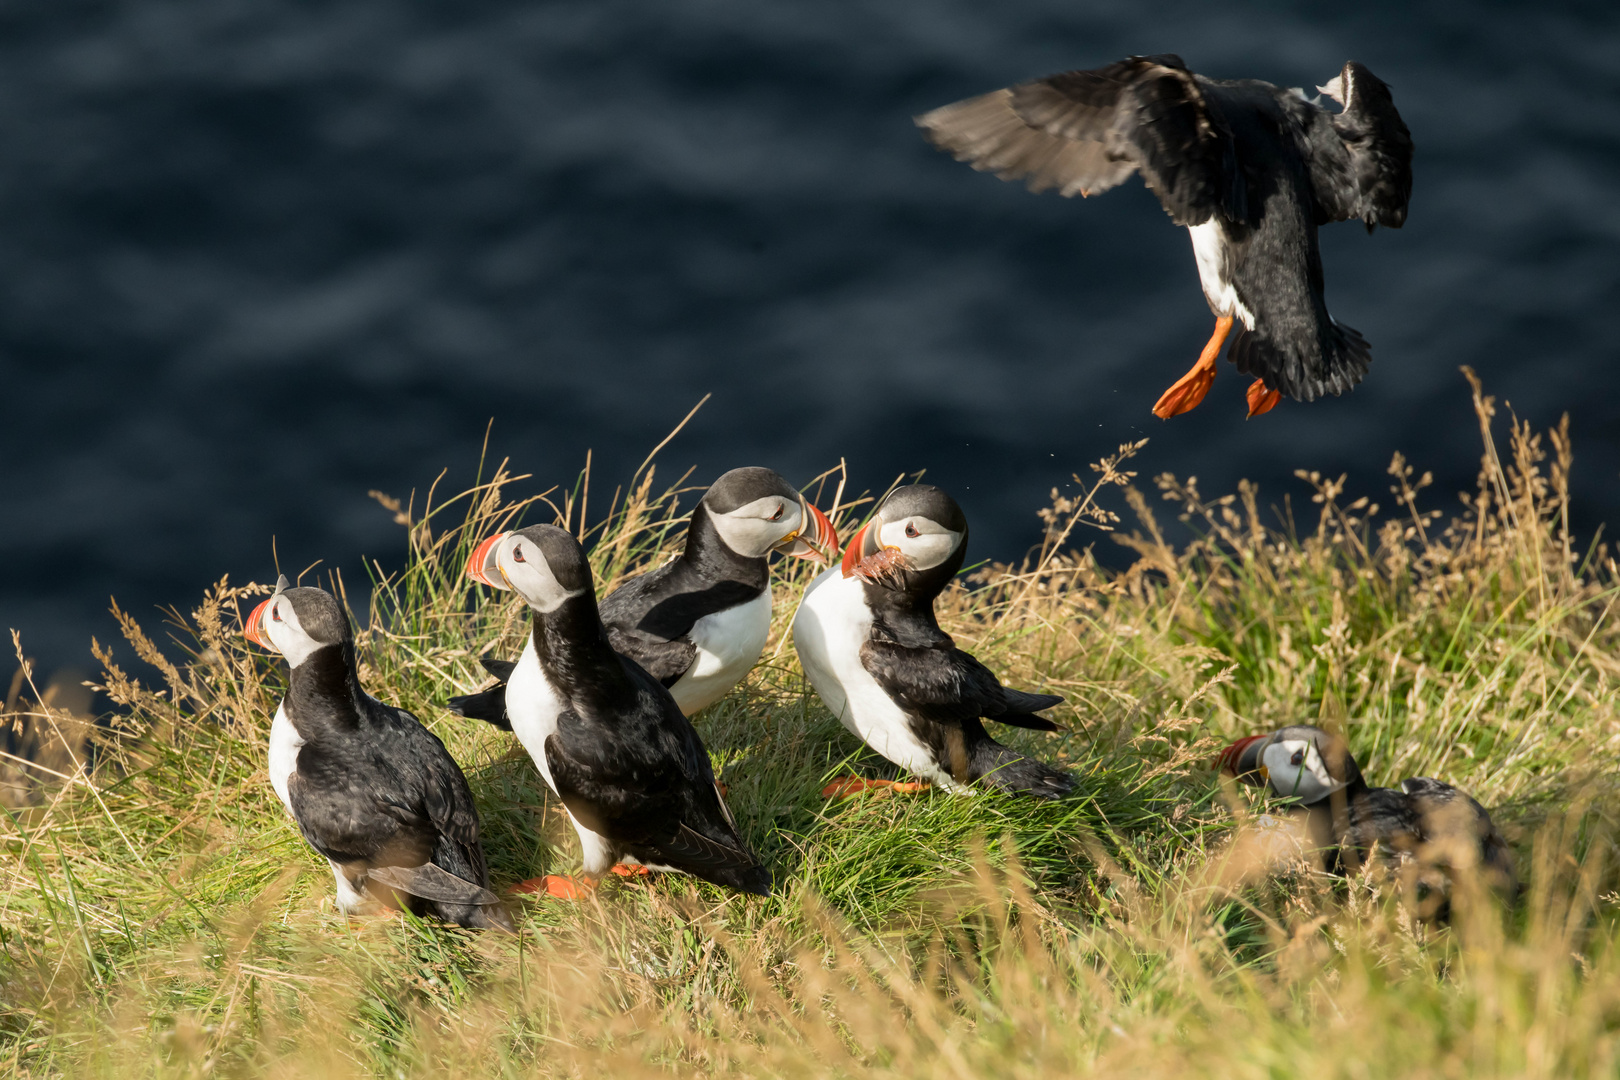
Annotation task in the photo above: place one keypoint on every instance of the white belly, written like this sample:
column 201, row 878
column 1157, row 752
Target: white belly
column 728, row 645
column 284, row 744
column 532, row 705
column 831, row 625
column 1209, row 248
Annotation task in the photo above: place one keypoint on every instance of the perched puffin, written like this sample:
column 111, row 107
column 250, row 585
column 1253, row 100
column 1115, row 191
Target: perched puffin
column 607, row 737
column 1425, row 831
column 871, row 646
column 699, row 622
column 1250, row 169
column 370, row 788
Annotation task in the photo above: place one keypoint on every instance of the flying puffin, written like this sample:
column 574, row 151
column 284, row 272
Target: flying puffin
column 1250, row 169
column 699, row 622
column 607, row 736
column 370, row 788
column 1426, row 830
column 870, row 644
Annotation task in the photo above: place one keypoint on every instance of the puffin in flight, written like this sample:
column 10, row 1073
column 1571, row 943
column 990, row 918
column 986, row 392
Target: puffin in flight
column 1426, row 831
column 607, row 736
column 870, row 644
column 370, row 788
column 699, row 622
column 1250, row 169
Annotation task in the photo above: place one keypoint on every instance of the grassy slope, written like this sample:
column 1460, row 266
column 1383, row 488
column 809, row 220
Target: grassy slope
column 163, row 916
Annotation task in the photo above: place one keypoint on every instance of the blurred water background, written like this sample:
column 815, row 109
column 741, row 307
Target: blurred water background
column 260, row 256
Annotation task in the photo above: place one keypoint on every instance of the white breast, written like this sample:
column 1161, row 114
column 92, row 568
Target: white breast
column 1209, row 248
column 532, row 705
column 728, row 645
column 284, row 744
column 831, row 625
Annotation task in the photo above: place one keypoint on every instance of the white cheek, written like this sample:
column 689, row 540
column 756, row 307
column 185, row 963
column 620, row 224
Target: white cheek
column 290, row 641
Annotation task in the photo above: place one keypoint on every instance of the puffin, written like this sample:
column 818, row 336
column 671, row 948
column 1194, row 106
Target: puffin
column 369, row 787
column 1252, row 170
column 699, row 623
column 871, row 646
column 1425, row 831
column 607, row 736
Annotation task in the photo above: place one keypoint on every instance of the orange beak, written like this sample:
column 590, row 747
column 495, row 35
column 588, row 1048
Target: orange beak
column 813, row 539
column 482, row 568
column 852, row 554
column 1227, row 762
column 253, row 625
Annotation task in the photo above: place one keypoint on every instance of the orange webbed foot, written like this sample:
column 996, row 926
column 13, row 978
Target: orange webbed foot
column 563, row 888
column 1261, row 400
column 627, row 871
column 846, row 786
column 1186, row 392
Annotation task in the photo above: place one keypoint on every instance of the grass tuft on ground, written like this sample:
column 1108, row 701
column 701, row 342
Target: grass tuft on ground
column 160, row 916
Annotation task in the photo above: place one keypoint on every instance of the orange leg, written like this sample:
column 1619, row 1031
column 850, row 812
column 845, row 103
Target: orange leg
column 1186, row 392
column 1261, row 400
column 629, row 871
column 845, row 786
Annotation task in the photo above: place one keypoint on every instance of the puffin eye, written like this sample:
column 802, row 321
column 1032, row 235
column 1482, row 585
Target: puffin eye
column 778, row 515
column 911, row 531
column 1298, row 758
column 517, row 553
column 275, row 612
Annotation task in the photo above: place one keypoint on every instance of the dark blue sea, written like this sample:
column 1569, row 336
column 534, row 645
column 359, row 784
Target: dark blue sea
column 258, row 257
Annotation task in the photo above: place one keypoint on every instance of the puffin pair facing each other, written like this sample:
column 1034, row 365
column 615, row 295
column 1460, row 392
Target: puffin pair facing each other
column 608, row 738
column 872, row 647
column 699, row 623
column 370, row 788
column 1425, row 833
column 1252, row 171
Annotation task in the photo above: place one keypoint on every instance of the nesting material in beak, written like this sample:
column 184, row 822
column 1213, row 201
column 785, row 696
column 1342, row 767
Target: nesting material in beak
column 482, row 568
column 817, row 540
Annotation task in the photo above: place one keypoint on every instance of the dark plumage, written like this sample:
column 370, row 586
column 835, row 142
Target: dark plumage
column 1425, row 832
column 370, row 788
column 878, row 609
column 606, row 734
column 1252, row 169
column 710, row 603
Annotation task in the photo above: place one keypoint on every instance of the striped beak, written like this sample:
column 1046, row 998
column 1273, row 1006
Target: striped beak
column 482, row 567
column 816, row 540
column 856, row 550
column 253, row 625
column 1232, row 760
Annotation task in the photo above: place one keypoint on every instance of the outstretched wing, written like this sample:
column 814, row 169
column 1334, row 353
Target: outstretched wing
column 946, row 685
column 1084, row 132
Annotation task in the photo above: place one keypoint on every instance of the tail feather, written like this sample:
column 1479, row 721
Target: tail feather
column 486, row 705
column 501, row 669
column 1004, row 768
column 1345, row 359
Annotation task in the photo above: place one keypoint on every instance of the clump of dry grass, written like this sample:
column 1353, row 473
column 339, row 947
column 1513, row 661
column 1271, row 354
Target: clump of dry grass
column 162, row 917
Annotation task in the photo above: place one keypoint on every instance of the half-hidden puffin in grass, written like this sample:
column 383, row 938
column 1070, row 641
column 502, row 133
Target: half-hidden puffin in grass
column 871, row 646
column 370, row 788
column 607, row 736
column 699, row 623
column 1425, row 833
column 1252, row 170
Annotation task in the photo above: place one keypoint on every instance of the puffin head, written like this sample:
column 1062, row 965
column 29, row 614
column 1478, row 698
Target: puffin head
column 756, row 512
column 1342, row 86
column 297, row 622
column 542, row 563
column 915, row 542
column 1306, row 763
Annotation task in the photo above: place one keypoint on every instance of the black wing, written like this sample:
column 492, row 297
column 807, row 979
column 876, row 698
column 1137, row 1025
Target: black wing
column 1453, row 820
column 649, row 617
column 487, row 705
column 665, row 660
column 1084, row 132
column 1361, row 158
column 944, row 684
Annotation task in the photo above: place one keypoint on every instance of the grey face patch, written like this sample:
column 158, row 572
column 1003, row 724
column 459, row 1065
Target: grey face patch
column 754, row 528
column 544, row 565
column 923, row 541
column 297, row 622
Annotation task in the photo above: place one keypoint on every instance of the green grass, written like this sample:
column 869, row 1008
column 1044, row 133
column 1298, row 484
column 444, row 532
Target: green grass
column 159, row 915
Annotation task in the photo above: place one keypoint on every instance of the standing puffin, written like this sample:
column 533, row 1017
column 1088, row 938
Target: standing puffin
column 370, row 788
column 1426, row 830
column 871, row 646
column 699, row 622
column 607, row 737
column 1250, row 169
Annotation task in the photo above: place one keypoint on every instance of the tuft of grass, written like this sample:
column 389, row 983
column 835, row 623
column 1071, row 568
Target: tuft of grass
column 159, row 915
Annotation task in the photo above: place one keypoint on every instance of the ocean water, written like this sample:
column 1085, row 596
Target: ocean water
column 258, row 257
